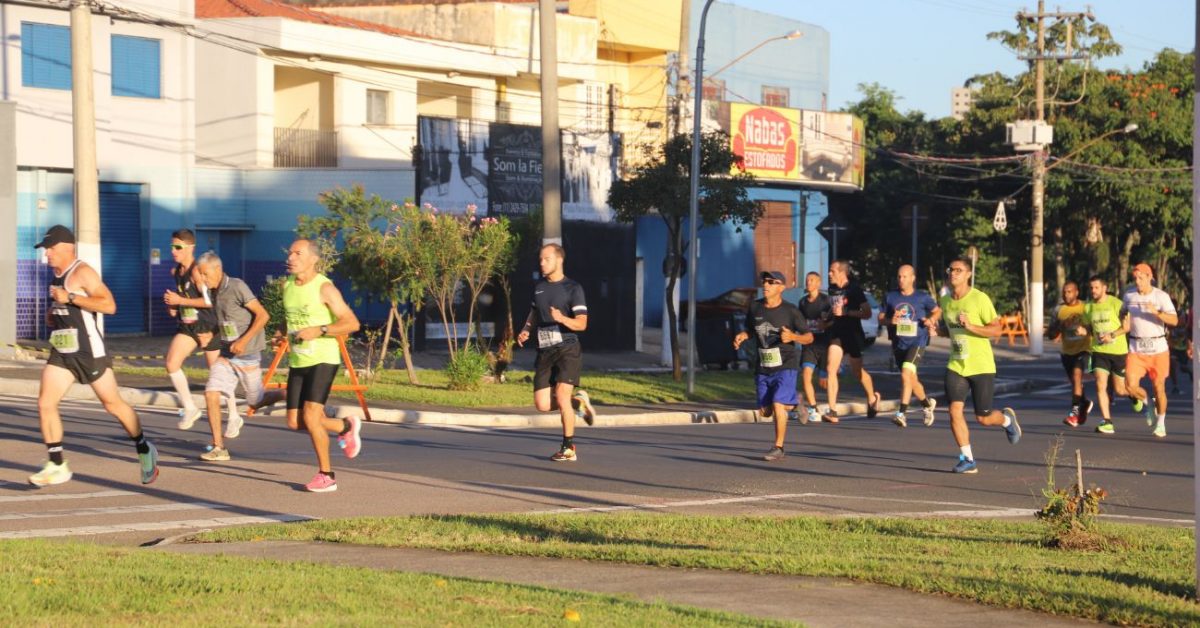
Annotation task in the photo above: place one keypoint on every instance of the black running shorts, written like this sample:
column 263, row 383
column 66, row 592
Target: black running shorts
column 911, row 355
column 981, row 388
column 560, row 364
column 815, row 356
column 850, row 341
column 85, row 368
column 1078, row 361
column 310, row 384
column 1109, row 363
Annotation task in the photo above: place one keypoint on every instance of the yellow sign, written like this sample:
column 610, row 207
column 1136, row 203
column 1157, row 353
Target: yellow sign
column 817, row 149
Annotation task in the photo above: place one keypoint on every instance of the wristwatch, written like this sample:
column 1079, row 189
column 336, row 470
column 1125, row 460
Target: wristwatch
column 324, row 329
column 71, row 298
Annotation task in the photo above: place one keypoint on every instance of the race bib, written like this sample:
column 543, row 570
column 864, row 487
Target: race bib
column 549, row 337
column 188, row 315
column 229, row 332
column 906, row 329
column 1146, row 346
column 65, row 340
column 958, row 346
column 770, row 357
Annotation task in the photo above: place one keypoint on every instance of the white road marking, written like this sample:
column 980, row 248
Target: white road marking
column 969, row 514
column 41, row 497
column 115, row 510
column 151, row 526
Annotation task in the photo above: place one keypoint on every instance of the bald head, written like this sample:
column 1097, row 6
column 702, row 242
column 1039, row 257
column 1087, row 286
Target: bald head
column 906, row 276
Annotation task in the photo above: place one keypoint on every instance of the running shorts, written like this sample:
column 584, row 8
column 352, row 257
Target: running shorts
column 850, row 341
column 778, row 387
column 86, row 369
column 310, row 384
column 981, row 388
column 908, row 358
column 560, row 364
column 1109, row 363
column 1077, row 361
column 226, row 373
column 1156, row 365
column 814, row 355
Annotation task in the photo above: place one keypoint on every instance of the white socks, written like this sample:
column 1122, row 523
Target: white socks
column 231, row 403
column 966, row 452
column 1162, row 420
column 180, row 382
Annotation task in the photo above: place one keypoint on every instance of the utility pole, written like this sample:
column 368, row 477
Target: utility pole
column 551, row 149
column 1196, row 258
column 682, row 80
column 83, row 116
column 1037, row 240
column 914, row 236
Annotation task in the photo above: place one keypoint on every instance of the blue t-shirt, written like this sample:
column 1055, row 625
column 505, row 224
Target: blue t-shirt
column 913, row 309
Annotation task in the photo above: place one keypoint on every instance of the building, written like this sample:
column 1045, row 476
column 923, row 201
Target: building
column 961, row 101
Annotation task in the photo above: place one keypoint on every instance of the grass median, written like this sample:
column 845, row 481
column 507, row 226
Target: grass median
column 1146, row 578
column 604, row 387
column 75, row 584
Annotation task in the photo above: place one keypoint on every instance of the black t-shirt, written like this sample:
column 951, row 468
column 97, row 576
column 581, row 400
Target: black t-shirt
column 852, row 298
column 567, row 296
column 819, row 309
column 765, row 325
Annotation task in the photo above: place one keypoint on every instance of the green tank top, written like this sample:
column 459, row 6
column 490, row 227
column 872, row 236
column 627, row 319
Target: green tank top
column 305, row 309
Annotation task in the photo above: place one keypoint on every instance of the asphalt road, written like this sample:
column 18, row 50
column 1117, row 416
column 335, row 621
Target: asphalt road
column 858, row 467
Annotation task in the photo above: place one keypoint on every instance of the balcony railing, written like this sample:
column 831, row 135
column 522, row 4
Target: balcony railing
column 305, row 148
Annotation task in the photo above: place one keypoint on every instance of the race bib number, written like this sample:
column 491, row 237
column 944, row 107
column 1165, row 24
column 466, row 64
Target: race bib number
column 770, row 357
column 549, row 337
column 65, row 340
column 906, row 329
column 188, row 315
column 1145, row 345
column 958, row 346
column 229, row 332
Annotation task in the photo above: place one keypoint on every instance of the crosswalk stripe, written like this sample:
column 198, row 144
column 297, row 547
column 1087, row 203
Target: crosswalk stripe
column 154, row 526
column 41, row 497
column 114, row 510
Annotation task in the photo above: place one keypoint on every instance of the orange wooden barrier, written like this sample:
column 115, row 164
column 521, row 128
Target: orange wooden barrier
column 354, row 385
column 1013, row 325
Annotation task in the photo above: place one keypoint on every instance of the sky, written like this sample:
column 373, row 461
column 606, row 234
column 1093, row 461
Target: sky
column 921, row 49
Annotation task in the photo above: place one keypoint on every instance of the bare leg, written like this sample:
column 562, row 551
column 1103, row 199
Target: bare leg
column 1102, row 394
column 781, row 419
column 110, row 395
column 958, row 424
column 55, row 383
column 562, row 394
column 319, row 426
column 856, row 365
column 810, row 394
column 213, row 399
column 834, row 363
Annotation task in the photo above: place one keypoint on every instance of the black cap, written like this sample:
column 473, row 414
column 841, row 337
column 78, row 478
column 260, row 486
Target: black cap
column 773, row 274
column 56, row 235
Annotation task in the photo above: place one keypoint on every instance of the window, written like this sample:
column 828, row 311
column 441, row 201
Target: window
column 714, row 89
column 594, row 114
column 45, row 56
column 135, row 67
column 377, row 106
column 775, row 96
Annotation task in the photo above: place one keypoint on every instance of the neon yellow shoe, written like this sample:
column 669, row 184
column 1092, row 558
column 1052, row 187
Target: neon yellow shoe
column 51, row 474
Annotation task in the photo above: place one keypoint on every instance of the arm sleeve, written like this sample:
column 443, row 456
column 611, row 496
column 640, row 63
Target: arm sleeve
column 578, row 303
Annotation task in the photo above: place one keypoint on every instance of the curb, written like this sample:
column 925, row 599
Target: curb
column 142, row 397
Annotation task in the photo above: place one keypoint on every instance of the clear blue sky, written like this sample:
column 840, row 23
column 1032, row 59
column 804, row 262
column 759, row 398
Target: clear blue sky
column 921, row 49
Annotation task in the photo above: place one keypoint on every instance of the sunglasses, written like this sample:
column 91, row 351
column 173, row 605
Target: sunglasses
column 180, row 247
column 771, row 282
column 952, row 270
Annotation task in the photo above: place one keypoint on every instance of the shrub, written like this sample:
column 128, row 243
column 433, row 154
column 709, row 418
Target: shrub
column 466, row 368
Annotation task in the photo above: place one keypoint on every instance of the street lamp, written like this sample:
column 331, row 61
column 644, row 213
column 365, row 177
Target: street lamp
column 1037, row 290
column 694, row 180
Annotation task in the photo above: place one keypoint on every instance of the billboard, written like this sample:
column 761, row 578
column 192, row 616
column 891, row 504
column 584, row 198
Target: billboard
column 818, row 149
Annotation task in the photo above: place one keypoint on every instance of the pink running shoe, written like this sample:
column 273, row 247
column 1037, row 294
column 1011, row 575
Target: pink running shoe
column 321, row 483
column 351, row 442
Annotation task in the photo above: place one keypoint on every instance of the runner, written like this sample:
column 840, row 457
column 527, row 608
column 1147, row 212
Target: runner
column 1181, row 349
column 1149, row 313
column 971, row 371
column 1066, row 323
column 241, row 319
column 77, row 353
column 189, row 302
column 558, row 314
column 818, row 311
column 316, row 316
column 911, row 315
column 1102, row 317
column 773, row 320
column 850, row 309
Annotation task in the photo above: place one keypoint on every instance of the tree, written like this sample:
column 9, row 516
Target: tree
column 661, row 184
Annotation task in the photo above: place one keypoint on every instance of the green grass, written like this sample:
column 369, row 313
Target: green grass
column 75, row 584
column 1149, row 579
column 604, row 387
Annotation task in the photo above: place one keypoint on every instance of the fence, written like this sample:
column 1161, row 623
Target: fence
column 305, row 148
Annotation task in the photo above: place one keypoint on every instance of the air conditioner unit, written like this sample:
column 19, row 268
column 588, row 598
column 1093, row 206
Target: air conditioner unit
column 1028, row 135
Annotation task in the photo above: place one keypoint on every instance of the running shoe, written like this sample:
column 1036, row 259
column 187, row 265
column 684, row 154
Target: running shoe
column 965, row 465
column 799, row 416
column 1106, row 427
column 931, row 403
column 321, row 483
column 1086, row 410
column 565, row 454
column 189, row 417
column 351, row 441
column 873, row 408
column 1149, row 411
column 51, row 474
column 1160, row 430
column 830, row 416
column 149, row 463
column 900, row 419
column 233, row 428
column 216, row 454
column 1014, row 428
column 585, row 409
column 1073, row 418
column 1137, row 404
column 776, row 453
column 813, row 415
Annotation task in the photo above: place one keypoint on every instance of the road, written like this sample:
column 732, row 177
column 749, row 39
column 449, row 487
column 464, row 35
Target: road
column 858, row 467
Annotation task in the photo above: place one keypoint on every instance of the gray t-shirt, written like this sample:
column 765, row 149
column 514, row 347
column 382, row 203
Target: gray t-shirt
column 234, row 318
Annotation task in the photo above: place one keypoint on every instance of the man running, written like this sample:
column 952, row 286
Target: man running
column 850, row 309
column 777, row 326
column 818, row 311
column 911, row 315
column 240, row 322
column 77, row 353
column 1102, row 319
column 558, row 313
column 971, row 371
column 189, row 302
column 1065, row 323
column 1149, row 313
column 316, row 316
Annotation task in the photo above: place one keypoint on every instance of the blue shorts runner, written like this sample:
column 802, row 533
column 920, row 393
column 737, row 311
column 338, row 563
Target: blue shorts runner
column 778, row 387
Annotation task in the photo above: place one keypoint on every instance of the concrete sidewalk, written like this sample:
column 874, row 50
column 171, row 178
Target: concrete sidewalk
column 816, row 602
